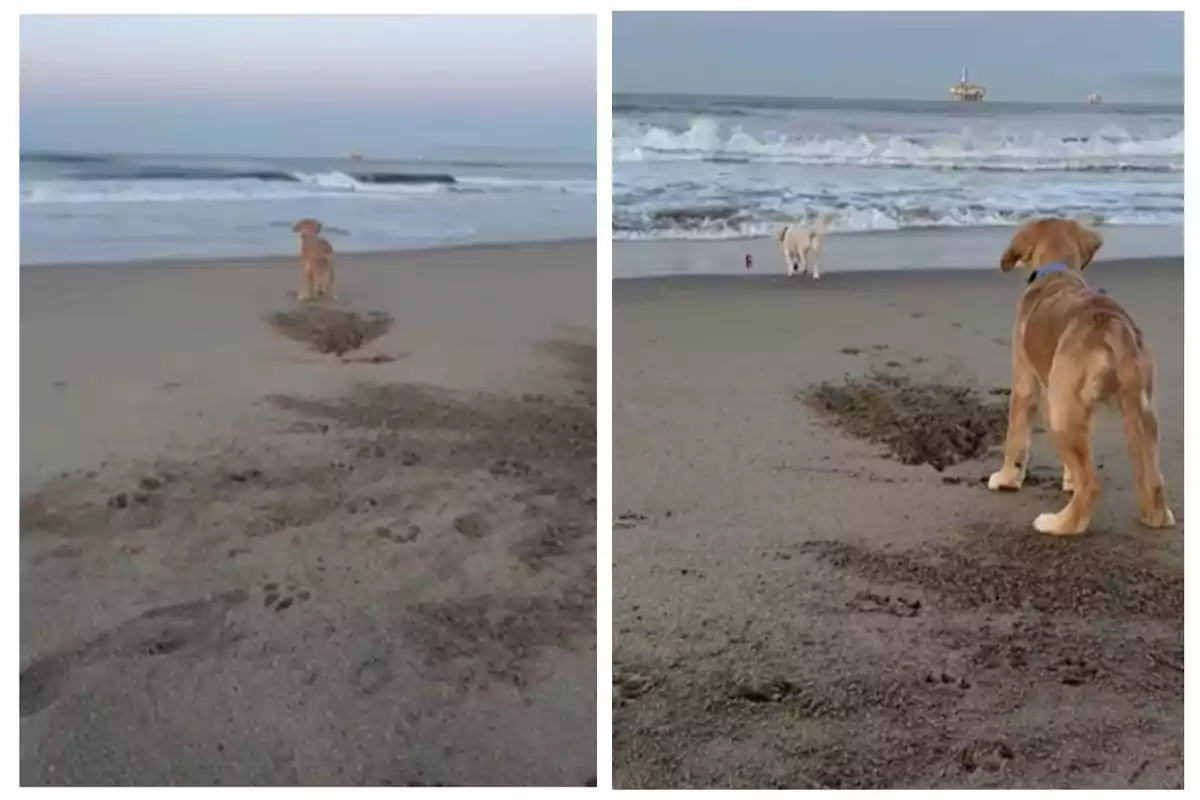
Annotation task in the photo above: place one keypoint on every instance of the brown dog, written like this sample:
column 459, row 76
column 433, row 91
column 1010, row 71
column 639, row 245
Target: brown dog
column 1076, row 348
column 316, row 261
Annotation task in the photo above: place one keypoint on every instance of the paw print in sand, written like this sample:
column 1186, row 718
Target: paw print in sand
column 409, row 534
column 282, row 597
column 361, row 505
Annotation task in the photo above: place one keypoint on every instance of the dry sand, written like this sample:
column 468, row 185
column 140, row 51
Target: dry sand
column 795, row 607
column 244, row 561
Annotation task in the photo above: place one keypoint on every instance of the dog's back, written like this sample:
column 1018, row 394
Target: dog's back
column 315, row 246
column 796, row 235
column 1066, row 315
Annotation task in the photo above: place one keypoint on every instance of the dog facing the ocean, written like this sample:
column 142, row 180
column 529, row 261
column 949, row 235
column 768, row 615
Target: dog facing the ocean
column 1074, row 349
column 316, row 261
column 802, row 244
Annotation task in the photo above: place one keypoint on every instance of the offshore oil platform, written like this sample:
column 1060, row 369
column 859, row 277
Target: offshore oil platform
column 967, row 91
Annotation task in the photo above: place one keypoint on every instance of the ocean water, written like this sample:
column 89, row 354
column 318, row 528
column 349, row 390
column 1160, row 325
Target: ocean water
column 93, row 207
column 735, row 167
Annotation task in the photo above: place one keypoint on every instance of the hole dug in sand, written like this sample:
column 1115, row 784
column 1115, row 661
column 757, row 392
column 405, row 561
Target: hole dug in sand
column 920, row 423
column 331, row 330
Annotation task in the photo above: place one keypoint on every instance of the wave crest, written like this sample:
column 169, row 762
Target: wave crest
column 1109, row 149
column 729, row 222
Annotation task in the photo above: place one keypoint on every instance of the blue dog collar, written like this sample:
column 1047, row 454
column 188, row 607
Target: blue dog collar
column 1060, row 267
column 1037, row 273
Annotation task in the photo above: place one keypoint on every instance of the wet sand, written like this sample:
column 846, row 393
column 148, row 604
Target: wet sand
column 795, row 607
column 911, row 249
column 247, row 562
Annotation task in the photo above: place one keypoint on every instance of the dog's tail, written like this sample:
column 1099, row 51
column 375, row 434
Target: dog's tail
column 821, row 226
column 781, row 232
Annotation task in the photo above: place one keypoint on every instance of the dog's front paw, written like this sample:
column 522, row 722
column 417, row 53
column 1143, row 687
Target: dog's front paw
column 1055, row 525
column 1158, row 518
column 1006, row 480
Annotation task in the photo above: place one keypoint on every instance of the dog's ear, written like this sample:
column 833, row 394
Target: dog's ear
column 1017, row 250
column 1088, row 242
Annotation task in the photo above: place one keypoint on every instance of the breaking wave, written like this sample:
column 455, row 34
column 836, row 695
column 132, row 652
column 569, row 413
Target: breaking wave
column 729, row 222
column 1109, row 149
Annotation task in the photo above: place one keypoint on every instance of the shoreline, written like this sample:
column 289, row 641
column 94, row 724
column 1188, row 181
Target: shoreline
column 860, row 276
column 176, row 262
column 911, row 250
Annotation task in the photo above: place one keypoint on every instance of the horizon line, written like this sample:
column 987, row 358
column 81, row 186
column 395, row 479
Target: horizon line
column 675, row 93
column 65, row 151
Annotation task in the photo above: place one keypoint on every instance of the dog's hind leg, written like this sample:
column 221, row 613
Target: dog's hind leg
column 1070, row 419
column 1141, row 435
column 307, row 284
column 327, row 288
column 1022, row 402
column 1068, row 482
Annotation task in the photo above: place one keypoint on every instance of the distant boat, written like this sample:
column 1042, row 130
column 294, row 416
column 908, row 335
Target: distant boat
column 354, row 155
column 1094, row 98
column 967, row 91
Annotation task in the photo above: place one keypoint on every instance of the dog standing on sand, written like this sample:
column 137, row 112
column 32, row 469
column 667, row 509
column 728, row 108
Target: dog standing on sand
column 802, row 243
column 1075, row 349
column 316, row 261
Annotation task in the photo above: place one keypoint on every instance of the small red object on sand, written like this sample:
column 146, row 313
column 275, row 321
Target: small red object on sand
column 749, row 261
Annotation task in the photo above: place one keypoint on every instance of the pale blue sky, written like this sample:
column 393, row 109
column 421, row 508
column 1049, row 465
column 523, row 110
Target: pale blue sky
column 1033, row 56
column 306, row 85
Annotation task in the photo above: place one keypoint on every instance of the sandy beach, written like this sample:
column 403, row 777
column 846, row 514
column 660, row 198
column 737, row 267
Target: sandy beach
column 248, row 562
column 797, row 607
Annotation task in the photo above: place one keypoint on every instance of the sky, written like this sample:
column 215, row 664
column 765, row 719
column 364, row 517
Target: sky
column 307, row 85
column 1018, row 56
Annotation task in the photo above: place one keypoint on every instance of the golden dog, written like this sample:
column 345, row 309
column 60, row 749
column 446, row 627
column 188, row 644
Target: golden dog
column 316, row 261
column 1075, row 348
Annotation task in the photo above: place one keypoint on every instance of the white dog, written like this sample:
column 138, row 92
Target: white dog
column 802, row 243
